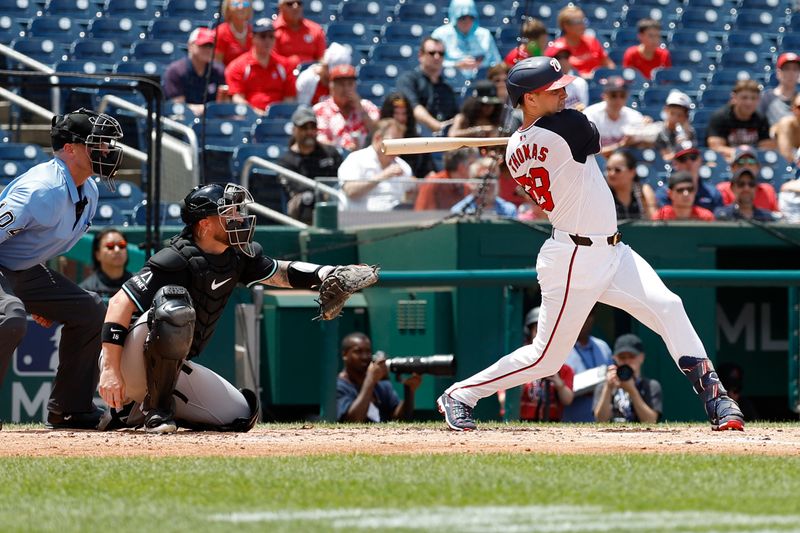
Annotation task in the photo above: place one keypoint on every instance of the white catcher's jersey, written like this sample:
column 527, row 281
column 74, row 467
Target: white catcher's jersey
column 554, row 161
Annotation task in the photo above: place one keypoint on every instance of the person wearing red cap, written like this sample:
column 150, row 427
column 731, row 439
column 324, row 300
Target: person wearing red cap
column 297, row 39
column 185, row 79
column 650, row 53
column 261, row 77
column 345, row 119
column 578, row 90
column 787, row 131
column 588, row 53
column 776, row 103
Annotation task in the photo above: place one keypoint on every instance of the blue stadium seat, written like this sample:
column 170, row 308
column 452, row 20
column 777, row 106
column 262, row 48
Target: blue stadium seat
column 230, row 111
column 546, row 13
column 17, row 158
column 269, row 151
column 191, row 9
column 698, row 58
column 634, row 78
column 634, row 13
column 159, row 51
column 18, row 11
column 44, row 50
column 11, row 29
column 59, row 29
column 378, row 72
column 750, row 39
column 281, row 111
column 266, row 128
column 73, row 98
column 141, row 10
column 762, row 20
column 507, row 37
column 80, row 11
column 374, row 90
column 151, row 68
column 626, row 37
column 124, row 30
column 369, row 13
column 320, row 11
column 172, row 29
column 4, row 136
column 721, row 5
column 654, row 98
column 728, row 77
column 126, row 196
column 690, row 38
column 790, row 41
column 684, row 79
column 422, row 12
column 104, row 52
column 744, row 58
column 405, row 54
column 707, row 19
column 399, row 33
column 359, row 36
column 773, row 160
column 221, row 132
column 108, row 214
column 775, row 6
column 169, row 214
column 714, row 97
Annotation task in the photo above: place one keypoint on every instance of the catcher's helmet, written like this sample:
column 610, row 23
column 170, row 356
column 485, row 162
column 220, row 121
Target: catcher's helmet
column 99, row 132
column 230, row 203
column 535, row 74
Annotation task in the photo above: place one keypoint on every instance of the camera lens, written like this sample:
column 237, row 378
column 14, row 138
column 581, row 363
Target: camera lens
column 624, row 372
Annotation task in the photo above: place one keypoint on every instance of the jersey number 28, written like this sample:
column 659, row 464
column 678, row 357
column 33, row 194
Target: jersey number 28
column 537, row 185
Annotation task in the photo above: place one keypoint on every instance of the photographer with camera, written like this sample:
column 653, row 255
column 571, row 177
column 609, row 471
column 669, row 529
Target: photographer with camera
column 363, row 394
column 627, row 396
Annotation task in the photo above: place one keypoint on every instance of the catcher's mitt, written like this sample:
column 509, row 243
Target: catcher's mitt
column 340, row 284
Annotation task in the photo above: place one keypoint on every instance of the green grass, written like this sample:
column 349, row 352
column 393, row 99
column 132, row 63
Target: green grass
column 500, row 492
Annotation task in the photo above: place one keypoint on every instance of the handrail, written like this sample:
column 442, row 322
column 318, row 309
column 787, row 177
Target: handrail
column 55, row 93
column 47, row 114
column 254, row 160
column 191, row 136
column 526, row 276
column 276, row 215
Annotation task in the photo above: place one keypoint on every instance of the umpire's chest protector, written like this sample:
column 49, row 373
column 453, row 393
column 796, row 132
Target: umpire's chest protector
column 212, row 280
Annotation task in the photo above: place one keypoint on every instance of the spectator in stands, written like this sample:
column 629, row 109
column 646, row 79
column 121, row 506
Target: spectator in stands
column 787, row 131
column 110, row 259
column 307, row 157
column 433, row 100
column 588, row 53
column 261, row 77
column 397, row 106
column 436, row 193
column 682, row 191
column 373, row 181
column 589, row 352
column 480, row 114
column 543, row 400
column 483, row 197
column 738, row 122
column 363, row 392
column 313, row 82
column 633, row 199
column 498, row 74
column 745, row 158
column 776, row 103
column 612, row 117
column 650, row 53
column 468, row 46
column 345, row 119
column 789, row 197
column 297, row 39
column 628, row 397
column 532, row 42
column 185, row 79
column 676, row 127
column 234, row 35
column 578, row 90
column 689, row 159
column 743, row 186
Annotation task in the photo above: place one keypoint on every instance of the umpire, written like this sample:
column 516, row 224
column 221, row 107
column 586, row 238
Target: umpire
column 43, row 213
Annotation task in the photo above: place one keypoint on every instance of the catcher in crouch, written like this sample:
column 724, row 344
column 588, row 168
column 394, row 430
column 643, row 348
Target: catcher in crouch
column 147, row 374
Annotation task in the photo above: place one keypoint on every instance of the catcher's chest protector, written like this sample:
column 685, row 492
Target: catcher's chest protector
column 213, row 281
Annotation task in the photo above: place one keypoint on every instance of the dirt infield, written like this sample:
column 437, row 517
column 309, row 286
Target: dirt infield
column 309, row 439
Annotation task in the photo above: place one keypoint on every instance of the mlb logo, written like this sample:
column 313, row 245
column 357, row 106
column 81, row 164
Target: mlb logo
column 37, row 354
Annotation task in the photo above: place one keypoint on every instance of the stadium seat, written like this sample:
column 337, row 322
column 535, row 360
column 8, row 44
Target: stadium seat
column 59, row 29
column 791, row 41
column 696, row 39
column 108, row 215
column 191, row 9
column 17, row 158
column 359, row 36
column 75, row 97
column 632, row 14
column 171, row 29
column 745, row 58
column 700, row 59
column 750, row 39
column 707, row 19
column 625, row 37
column 507, row 38
column 80, row 11
column 404, row 54
column 775, row 161
column 140, row 10
column 369, row 13
column 164, row 52
column 714, row 97
column 266, row 128
column 151, row 68
column 635, row 80
column 268, row 151
column 399, row 33
column 124, row 30
column 320, row 11
column 4, row 136
column 126, row 196
column 374, row 90
column 44, row 50
column 230, row 111
column 765, row 21
column 11, row 29
column 727, row 78
column 684, row 79
column 169, row 214
column 281, row 111
column 18, row 11
column 378, row 72
column 422, row 12
column 105, row 53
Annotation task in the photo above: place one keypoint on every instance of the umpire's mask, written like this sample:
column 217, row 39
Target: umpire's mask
column 233, row 216
column 99, row 132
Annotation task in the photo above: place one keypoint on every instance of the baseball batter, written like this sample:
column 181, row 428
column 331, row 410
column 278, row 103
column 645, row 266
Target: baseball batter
column 552, row 156
column 147, row 374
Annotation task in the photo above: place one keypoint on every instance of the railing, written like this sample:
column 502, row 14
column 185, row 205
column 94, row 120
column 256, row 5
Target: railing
column 55, row 93
column 255, row 161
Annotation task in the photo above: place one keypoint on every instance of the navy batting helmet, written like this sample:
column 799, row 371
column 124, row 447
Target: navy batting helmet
column 535, row 74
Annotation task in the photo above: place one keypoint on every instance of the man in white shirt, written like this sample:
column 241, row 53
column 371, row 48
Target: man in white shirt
column 373, row 181
column 612, row 117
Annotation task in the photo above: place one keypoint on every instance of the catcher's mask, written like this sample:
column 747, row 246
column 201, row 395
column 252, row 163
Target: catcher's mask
column 230, row 203
column 99, row 132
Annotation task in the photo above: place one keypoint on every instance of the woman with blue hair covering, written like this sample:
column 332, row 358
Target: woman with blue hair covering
column 468, row 46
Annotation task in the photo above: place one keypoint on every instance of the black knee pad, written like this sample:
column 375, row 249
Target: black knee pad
column 171, row 321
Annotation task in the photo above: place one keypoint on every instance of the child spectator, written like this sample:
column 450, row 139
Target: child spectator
column 588, row 53
column 676, row 128
column 776, row 103
column 650, row 53
column 533, row 41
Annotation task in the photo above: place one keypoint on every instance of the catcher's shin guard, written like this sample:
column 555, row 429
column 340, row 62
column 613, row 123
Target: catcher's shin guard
column 723, row 412
column 171, row 320
column 239, row 425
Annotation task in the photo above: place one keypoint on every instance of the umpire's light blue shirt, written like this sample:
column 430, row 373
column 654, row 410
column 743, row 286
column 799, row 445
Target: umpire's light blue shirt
column 37, row 215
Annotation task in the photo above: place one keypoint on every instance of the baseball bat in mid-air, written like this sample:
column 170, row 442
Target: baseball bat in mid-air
column 426, row 145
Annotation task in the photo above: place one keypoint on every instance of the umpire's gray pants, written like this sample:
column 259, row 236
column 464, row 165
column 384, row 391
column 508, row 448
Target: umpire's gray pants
column 41, row 291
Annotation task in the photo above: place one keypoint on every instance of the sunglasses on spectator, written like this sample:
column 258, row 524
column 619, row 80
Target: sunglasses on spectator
column 684, row 190
column 434, row 53
column 116, row 244
column 576, row 21
column 687, row 157
column 746, row 183
column 296, row 3
column 240, row 4
column 746, row 161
